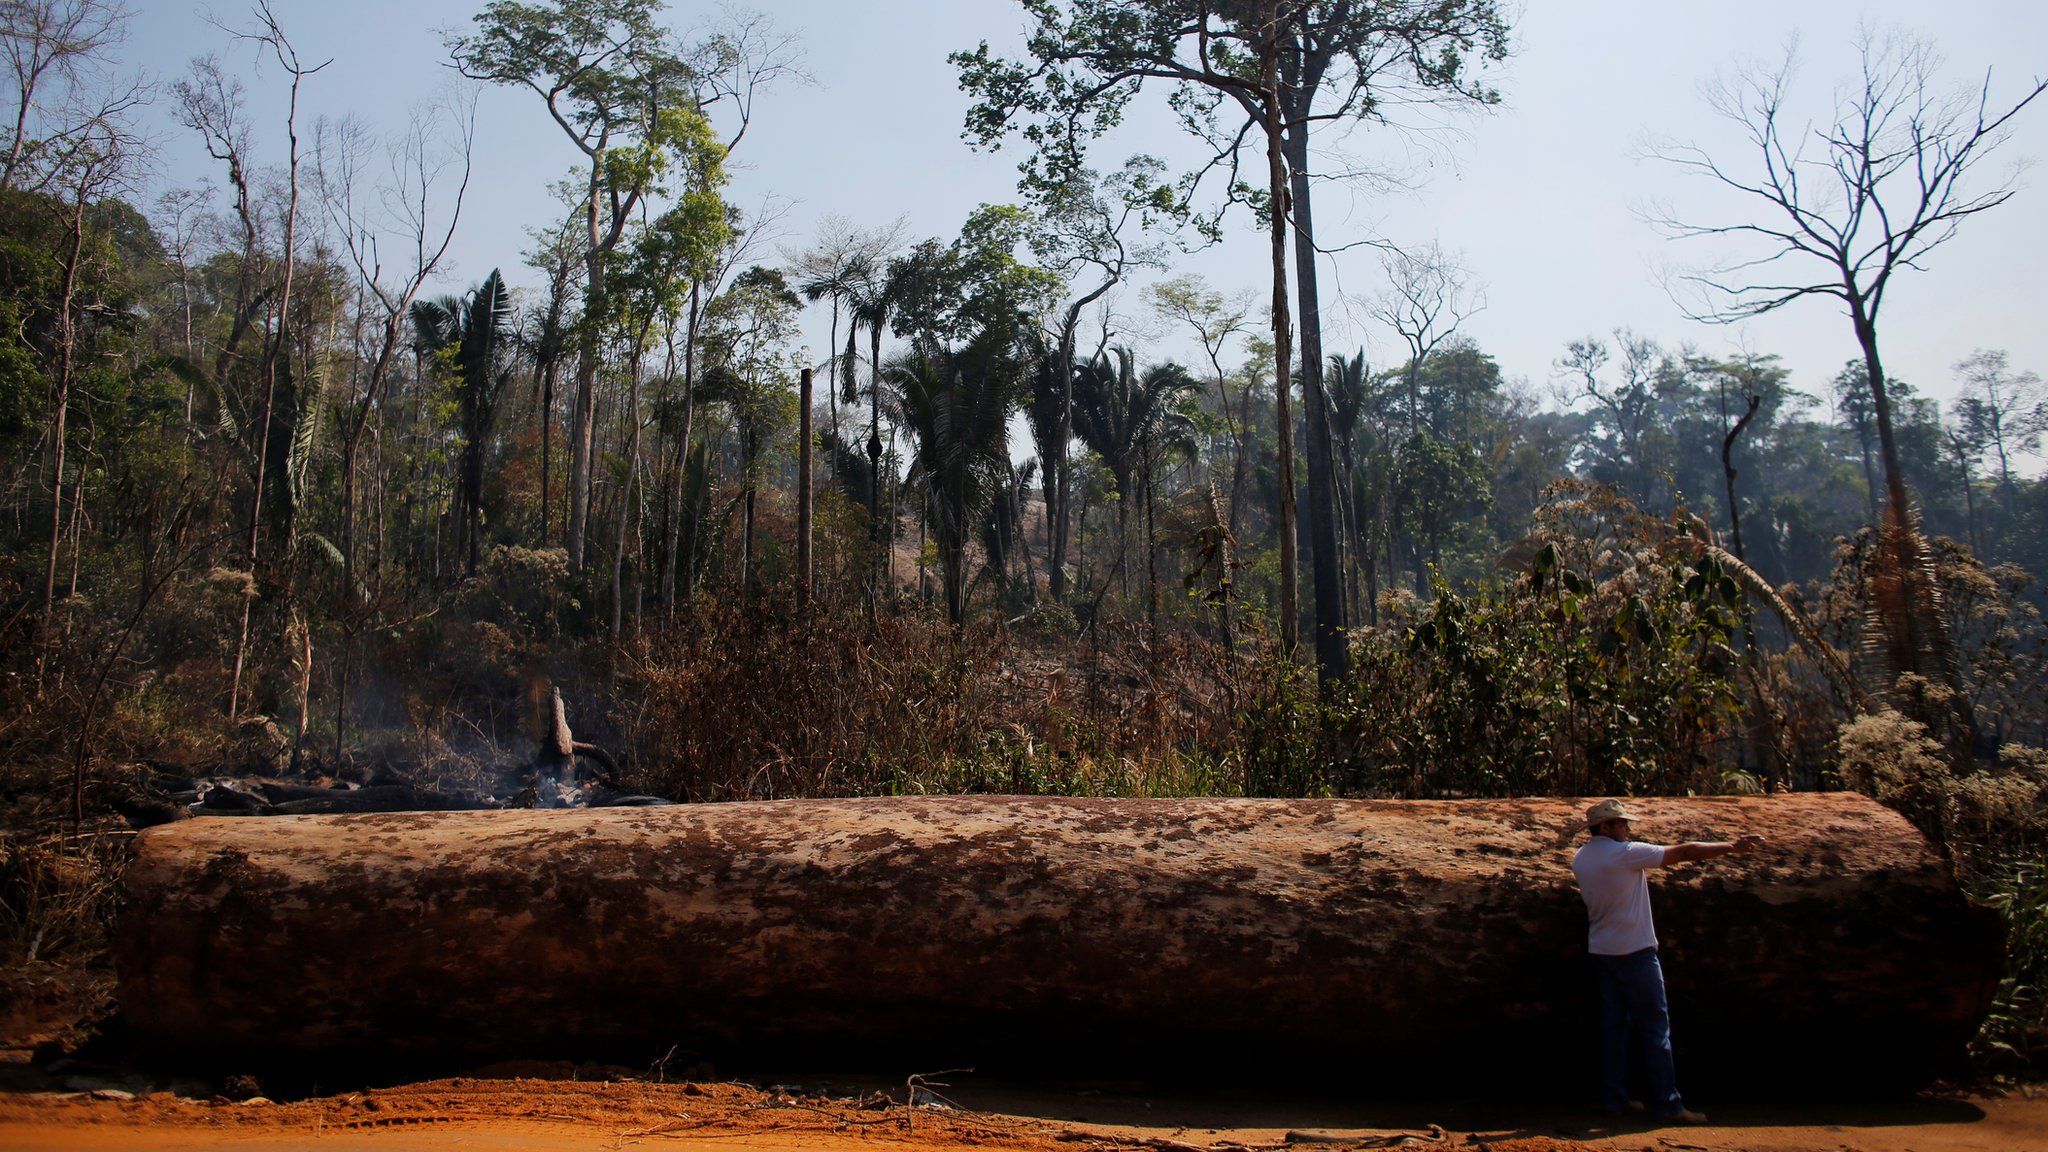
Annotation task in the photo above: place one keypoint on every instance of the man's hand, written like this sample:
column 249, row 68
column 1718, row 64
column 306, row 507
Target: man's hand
column 1748, row 843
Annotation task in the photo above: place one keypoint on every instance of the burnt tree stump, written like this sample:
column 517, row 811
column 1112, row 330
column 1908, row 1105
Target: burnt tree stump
column 1394, row 939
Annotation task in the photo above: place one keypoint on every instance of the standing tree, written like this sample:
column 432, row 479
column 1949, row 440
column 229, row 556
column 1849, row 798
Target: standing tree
column 1272, row 61
column 1089, row 58
column 1355, row 61
column 607, row 73
column 556, row 253
column 1215, row 320
column 956, row 406
column 1132, row 420
column 616, row 85
column 472, row 336
column 1428, row 297
column 1626, row 444
column 65, row 41
column 1082, row 236
column 831, row 270
column 2005, row 410
column 1872, row 190
column 87, row 167
column 440, row 138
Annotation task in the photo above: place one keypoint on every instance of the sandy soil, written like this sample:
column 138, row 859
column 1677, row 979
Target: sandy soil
column 553, row 1115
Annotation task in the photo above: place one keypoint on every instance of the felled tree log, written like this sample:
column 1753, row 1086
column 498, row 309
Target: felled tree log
column 1056, row 935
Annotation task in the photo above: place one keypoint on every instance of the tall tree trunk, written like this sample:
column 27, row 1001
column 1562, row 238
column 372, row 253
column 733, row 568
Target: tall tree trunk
column 1151, row 556
column 67, row 343
column 1969, row 500
column 803, row 489
column 1059, row 491
column 680, row 466
column 547, row 444
column 1326, row 576
column 1276, row 188
column 882, row 562
column 1870, row 485
column 1881, row 406
column 1728, row 472
column 272, row 354
column 832, row 366
column 626, row 488
column 747, row 531
column 1921, row 626
column 583, row 409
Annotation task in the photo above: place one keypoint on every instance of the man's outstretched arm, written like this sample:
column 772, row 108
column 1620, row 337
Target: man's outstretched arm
column 1709, row 849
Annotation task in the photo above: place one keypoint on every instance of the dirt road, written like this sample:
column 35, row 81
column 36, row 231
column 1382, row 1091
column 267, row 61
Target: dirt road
column 558, row 1116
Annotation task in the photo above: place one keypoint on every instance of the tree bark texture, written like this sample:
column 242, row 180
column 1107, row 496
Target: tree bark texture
column 1393, row 939
column 1303, row 78
column 803, row 489
column 1276, row 188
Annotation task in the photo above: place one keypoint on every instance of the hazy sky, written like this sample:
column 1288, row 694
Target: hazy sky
column 1541, row 195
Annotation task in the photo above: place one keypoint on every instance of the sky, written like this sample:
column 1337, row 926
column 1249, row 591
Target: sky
column 1543, row 197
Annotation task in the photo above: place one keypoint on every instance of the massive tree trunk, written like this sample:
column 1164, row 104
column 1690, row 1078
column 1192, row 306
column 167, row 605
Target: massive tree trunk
column 1304, row 77
column 1276, row 188
column 1356, row 938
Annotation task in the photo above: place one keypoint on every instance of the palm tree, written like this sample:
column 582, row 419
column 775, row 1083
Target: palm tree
column 1348, row 384
column 1002, row 532
column 956, row 407
column 1045, row 406
column 471, row 334
column 1131, row 422
column 874, row 294
column 837, row 282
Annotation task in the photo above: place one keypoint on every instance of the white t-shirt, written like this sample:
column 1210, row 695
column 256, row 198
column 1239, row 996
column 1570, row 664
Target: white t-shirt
column 1617, row 894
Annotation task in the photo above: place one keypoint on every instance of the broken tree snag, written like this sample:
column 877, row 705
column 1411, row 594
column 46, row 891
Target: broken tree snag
column 1358, row 938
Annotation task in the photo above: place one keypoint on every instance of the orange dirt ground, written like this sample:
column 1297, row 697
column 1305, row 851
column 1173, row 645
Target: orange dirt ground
column 520, row 1112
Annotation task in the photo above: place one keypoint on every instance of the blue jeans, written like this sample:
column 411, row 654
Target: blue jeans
column 1633, row 1015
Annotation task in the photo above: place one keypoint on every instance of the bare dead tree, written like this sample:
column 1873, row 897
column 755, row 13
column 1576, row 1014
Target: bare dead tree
column 1628, row 401
column 184, row 221
column 91, row 162
column 1428, row 296
column 269, row 35
column 742, row 53
column 2006, row 411
column 215, row 106
column 60, row 42
column 403, row 207
column 410, row 207
column 1840, row 205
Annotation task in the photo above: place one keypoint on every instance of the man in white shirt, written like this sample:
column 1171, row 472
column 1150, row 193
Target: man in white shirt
column 1623, row 942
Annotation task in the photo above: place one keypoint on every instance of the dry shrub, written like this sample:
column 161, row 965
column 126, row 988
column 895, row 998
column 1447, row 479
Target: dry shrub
column 1893, row 758
column 1993, row 821
column 58, row 895
column 757, row 700
column 58, row 898
column 1985, row 818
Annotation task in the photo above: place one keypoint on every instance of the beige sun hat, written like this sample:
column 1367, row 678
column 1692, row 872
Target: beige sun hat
column 1607, row 810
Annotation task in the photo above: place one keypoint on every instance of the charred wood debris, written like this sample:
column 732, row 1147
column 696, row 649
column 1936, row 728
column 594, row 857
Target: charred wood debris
column 563, row 772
